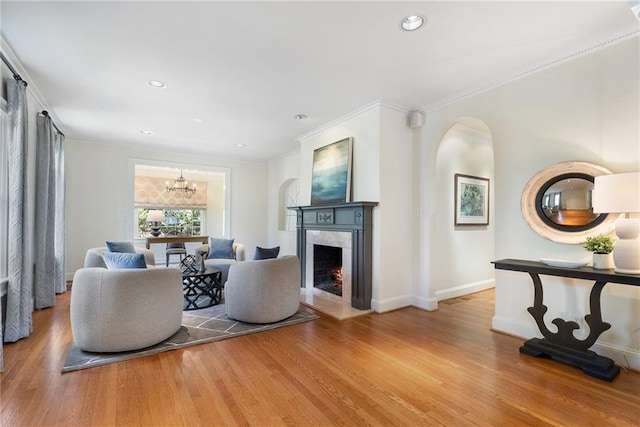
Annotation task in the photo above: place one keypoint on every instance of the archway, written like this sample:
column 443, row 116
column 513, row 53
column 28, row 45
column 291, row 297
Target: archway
column 462, row 254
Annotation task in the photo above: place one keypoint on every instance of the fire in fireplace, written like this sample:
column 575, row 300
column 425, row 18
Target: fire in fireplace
column 327, row 268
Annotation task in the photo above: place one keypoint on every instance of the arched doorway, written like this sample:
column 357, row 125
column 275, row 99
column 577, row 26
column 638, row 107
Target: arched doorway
column 461, row 254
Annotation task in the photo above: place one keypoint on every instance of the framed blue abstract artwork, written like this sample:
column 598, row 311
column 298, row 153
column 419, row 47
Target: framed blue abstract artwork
column 331, row 176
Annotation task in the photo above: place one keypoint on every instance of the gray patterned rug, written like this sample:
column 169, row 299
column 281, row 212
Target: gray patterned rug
column 198, row 327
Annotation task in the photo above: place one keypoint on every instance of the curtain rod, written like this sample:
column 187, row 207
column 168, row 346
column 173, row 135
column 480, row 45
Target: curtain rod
column 17, row 77
column 13, row 70
column 46, row 114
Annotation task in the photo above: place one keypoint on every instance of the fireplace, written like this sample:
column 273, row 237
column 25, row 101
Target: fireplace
column 346, row 228
column 325, row 252
column 327, row 269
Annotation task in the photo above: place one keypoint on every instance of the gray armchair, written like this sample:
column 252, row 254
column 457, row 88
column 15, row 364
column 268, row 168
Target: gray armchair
column 122, row 310
column 263, row 291
column 222, row 263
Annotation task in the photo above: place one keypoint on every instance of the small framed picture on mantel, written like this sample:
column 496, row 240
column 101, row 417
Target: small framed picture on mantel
column 471, row 200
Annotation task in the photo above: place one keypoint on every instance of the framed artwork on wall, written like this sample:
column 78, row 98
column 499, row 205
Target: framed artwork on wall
column 331, row 174
column 471, row 200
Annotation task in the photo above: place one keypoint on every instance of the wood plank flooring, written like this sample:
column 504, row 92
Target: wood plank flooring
column 405, row 368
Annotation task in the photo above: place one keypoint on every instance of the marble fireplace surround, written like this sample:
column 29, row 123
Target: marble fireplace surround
column 336, row 239
column 347, row 225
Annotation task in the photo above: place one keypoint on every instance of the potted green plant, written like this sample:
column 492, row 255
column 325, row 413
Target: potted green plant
column 602, row 248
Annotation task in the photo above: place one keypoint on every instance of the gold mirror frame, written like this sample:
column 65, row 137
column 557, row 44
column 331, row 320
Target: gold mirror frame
column 530, row 211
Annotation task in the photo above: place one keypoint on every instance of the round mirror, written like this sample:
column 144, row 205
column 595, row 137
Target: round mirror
column 556, row 203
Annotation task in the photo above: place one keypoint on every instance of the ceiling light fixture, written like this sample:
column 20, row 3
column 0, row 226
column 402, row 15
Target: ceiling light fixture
column 300, row 117
column 412, row 22
column 240, row 145
column 157, row 84
column 181, row 187
column 146, row 132
column 198, row 120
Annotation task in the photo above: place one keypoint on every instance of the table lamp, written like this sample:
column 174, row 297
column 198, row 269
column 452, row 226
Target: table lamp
column 155, row 217
column 620, row 193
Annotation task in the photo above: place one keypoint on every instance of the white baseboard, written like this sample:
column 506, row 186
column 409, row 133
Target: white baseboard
column 381, row 306
column 466, row 289
column 626, row 358
column 429, row 304
column 516, row 328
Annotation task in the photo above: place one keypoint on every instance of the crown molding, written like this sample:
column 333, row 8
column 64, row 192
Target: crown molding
column 368, row 107
column 630, row 34
column 31, row 86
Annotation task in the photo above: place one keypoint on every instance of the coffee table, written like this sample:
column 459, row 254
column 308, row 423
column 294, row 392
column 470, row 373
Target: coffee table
column 202, row 288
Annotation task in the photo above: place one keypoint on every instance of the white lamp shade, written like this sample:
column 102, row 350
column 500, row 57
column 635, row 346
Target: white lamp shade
column 155, row 216
column 617, row 193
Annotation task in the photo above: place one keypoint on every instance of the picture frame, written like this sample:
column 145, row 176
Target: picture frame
column 471, row 200
column 331, row 174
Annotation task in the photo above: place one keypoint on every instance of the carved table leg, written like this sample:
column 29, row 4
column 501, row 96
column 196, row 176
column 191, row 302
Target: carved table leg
column 563, row 346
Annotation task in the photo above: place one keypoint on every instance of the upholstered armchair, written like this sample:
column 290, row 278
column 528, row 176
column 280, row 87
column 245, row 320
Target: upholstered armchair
column 93, row 258
column 125, row 309
column 263, row 291
column 238, row 254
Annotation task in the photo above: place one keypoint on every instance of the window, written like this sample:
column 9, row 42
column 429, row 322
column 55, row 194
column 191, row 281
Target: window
column 203, row 212
column 177, row 222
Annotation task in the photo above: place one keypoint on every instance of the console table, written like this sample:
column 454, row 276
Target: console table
column 177, row 239
column 562, row 345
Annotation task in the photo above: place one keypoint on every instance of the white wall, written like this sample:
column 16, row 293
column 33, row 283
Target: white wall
column 587, row 110
column 281, row 171
column 215, row 195
column 462, row 255
column 381, row 173
column 364, row 127
column 395, row 214
column 100, row 195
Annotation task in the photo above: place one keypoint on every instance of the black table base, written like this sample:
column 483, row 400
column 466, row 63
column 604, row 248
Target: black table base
column 562, row 345
column 590, row 362
column 202, row 290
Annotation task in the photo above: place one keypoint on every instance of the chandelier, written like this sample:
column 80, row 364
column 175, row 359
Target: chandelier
column 181, row 187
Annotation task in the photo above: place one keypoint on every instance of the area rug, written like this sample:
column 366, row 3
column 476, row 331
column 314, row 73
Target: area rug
column 198, row 327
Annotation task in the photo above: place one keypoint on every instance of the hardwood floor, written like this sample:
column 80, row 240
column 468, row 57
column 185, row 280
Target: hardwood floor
column 405, row 368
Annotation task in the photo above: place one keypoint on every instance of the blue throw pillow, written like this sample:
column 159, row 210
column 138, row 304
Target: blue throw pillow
column 220, row 248
column 266, row 253
column 122, row 247
column 119, row 260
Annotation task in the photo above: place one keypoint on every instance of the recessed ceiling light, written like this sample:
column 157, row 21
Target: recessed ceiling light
column 157, row 84
column 300, row 117
column 239, row 145
column 412, row 22
column 198, row 120
column 146, row 132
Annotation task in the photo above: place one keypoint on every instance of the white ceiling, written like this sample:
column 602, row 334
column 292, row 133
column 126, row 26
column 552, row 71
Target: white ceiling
column 246, row 68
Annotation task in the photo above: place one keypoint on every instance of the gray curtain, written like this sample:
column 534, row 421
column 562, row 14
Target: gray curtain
column 49, row 214
column 19, row 306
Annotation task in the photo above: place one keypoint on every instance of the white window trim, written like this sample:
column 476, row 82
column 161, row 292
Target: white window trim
column 132, row 227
